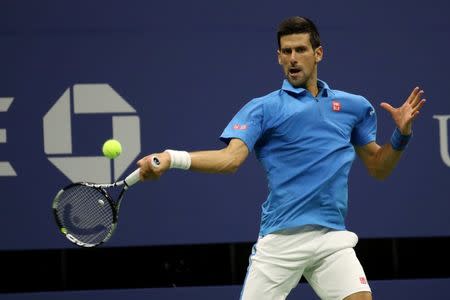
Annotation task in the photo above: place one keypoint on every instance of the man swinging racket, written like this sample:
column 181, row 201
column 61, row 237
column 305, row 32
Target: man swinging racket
column 305, row 135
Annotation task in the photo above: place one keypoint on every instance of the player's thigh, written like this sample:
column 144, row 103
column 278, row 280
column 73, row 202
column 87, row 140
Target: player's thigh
column 338, row 276
column 359, row 296
column 272, row 273
column 267, row 281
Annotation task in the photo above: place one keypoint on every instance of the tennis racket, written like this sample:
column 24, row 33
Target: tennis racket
column 87, row 214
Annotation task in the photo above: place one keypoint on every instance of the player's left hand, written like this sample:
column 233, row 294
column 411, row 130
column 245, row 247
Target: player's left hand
column 405, row 114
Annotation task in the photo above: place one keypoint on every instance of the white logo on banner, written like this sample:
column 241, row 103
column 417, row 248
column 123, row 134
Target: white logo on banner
column 5, row 167
column 90, row 99
column 443, row 137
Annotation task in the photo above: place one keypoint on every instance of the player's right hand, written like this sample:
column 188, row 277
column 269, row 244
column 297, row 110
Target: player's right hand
column 151, row 172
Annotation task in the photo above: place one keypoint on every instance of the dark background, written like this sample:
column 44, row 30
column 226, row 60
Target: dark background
column 187, row 67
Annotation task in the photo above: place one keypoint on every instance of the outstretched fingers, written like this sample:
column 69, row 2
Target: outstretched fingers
column 413, row 95
column 417, row 99
column 416, row 109
column 405, row 114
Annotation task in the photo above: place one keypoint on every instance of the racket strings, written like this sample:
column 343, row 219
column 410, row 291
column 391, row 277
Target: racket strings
column 85, row 213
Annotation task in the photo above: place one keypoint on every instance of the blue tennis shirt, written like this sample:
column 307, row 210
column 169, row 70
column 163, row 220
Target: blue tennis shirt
column 305, row 145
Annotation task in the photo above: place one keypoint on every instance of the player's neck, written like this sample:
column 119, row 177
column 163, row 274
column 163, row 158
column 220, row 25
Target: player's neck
column 312, row 87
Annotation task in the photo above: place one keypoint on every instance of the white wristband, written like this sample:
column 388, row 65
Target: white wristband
column 179, row 159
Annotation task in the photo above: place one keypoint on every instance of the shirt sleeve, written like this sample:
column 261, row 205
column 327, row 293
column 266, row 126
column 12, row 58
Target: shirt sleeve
column 246, row 125
column 365, row 130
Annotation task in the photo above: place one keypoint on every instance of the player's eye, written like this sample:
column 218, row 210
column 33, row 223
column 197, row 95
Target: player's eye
column 286, row 50
column 300, row 49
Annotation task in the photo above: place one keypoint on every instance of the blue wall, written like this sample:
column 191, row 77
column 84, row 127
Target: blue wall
column 185, row 68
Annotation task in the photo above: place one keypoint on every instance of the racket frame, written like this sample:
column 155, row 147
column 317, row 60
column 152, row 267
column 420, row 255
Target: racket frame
column 114, row 205
column 130, row 180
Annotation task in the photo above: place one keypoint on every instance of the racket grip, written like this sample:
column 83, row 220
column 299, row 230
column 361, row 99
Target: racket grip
column 133, row 177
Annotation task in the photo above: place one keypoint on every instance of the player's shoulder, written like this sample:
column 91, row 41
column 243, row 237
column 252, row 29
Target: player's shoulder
column 352, row 98
column 348, row 95
column 272, row 96
column 266, row 99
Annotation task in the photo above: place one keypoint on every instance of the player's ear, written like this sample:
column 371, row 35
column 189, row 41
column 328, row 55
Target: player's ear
column 279, row 56
column 318, row 53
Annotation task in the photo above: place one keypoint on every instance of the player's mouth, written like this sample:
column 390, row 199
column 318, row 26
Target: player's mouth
column 294, row 71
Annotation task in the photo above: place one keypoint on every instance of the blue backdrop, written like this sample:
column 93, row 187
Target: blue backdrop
column 180, row 71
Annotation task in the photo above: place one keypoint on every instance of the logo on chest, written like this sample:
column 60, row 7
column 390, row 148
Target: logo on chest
column 336, row 105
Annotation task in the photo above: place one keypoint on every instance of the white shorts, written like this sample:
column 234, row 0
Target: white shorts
column 324, row 256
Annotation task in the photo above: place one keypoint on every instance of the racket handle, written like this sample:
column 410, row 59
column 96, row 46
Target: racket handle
column 133, row 177
column 155, row 162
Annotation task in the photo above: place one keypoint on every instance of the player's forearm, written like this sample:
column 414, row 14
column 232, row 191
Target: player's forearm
column 384, row 162
column 214, row 161
column 226, row 160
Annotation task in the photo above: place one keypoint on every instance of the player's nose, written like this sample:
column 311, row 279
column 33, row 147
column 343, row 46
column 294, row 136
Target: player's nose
column 293, row 58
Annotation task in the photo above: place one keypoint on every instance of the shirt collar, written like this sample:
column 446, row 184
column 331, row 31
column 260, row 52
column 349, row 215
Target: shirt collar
column 321, row 84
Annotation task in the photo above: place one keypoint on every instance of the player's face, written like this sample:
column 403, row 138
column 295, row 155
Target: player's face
column 298, row 59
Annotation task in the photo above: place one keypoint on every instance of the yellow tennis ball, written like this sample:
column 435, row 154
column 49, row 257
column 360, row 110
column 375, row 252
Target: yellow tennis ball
column 112, row 148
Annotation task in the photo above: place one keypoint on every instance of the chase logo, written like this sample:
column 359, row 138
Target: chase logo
column 90, row 99
column 5, row 167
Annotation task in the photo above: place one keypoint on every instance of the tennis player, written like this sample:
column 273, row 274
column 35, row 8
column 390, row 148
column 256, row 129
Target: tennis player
column 305, row 135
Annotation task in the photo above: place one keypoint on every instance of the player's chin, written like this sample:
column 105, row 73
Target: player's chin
column 296, row 81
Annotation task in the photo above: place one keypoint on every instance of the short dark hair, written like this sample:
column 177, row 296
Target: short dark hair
column 297, row 24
